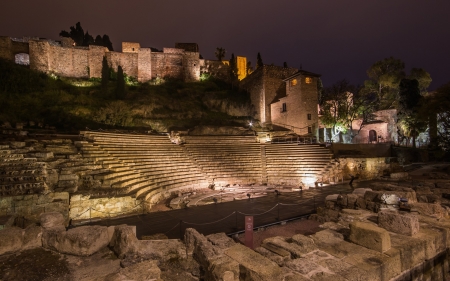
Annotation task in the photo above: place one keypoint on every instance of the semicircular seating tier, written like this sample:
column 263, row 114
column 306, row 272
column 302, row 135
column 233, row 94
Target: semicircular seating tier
column 151, row 167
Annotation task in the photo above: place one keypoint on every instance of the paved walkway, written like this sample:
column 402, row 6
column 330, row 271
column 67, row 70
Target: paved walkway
column 228, row 217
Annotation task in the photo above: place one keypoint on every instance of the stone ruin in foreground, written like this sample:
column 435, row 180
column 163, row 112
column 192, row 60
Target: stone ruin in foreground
column 364, row 236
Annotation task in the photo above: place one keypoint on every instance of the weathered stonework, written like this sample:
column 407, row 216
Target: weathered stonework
column 65, row 59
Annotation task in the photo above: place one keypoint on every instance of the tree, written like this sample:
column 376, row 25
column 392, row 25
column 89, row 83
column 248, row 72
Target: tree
column 120, row 88
column 105, row 74
column 437, row 108
column 233, row 68
column 382, row 87
column 259, row 61
column 423, row 77
column 249, row 67
column 343, row 103
column 410, row 122
column 85, row 39
column 220, row 53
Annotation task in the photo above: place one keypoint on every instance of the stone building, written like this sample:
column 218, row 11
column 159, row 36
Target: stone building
column 285, row 97
column 297, row 109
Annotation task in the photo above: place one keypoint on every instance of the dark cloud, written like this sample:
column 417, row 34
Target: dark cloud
column 339, row 39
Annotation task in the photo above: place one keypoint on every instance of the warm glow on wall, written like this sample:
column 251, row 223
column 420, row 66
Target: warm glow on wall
column 242, row 67
column 294, row 82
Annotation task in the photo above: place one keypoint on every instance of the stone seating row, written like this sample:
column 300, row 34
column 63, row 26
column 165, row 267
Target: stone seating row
column 220, row 139
column 162, row 166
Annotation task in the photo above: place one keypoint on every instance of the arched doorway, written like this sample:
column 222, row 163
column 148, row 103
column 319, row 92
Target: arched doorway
column 22, row 59
column 372, row 136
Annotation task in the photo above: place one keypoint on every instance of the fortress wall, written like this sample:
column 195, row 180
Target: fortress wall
column 254, row 85
column 191, row 64
column 144, row 65
column 96, row 54
column 173, row 51
column 69, row 62
column 80, row 62
column 128, row 62
column 130, row 47
column 60, row 61
column 167, row 65
column 216, row 69
column 6, row 48
column 39, row 55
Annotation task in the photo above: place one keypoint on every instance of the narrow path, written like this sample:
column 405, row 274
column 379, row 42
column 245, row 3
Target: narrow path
column 228, row 217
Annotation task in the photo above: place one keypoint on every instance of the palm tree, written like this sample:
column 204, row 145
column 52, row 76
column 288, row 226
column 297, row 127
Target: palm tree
column 220, row 53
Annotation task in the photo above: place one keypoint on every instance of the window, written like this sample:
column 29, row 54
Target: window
column 293, row 82
column 309, row 116
column 309, row 130
column 133, row 49
column 283, row 109
column 308, row 80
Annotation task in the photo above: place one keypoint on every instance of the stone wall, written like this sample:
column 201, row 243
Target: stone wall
column 96, row 54
column 128, row 62
column 364, row 168
column 301, row 105
column 144, row 65
column 265, row 86
column 32, row 206
column 85, row 207
column 69, row 62
column 218, row 69
column 64, row 59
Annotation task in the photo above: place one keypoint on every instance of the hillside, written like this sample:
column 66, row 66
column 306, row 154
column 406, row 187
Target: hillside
column 74, row 104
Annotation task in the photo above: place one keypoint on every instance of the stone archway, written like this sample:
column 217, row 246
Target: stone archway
column 372, row 136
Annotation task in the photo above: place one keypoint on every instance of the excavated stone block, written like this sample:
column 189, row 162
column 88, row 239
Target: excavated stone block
column 305, row 243
column 370, row 236
column 80, row 241
column 124, row 240
column 253, row 266
column 220, row 240
column 401, row 223
column 11, row 240
column 32, row 237
column 147, row 270
column 277, row 250
column 351, row 200
column 361, row 191
column 433, row 210
column 52, row 220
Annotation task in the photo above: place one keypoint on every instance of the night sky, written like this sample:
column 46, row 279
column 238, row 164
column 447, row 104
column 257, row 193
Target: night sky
column 336, row 38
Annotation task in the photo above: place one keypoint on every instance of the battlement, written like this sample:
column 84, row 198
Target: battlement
column 63, row 58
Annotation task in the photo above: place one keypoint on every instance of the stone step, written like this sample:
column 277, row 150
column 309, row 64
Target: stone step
column 112, row 181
